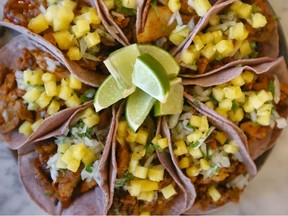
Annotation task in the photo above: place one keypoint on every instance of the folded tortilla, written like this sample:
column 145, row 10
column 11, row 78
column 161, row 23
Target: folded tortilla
column 176, row 204
column 10, row 57
column 39, row 187
column 203, row 203
column 277, row 67
column 268, row 49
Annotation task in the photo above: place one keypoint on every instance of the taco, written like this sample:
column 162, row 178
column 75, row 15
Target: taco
column 71, row 29
column 251, row 99
column 230, row 34
column 209, row 154
column 141, row 180
column 65, row 172
column 37, row 92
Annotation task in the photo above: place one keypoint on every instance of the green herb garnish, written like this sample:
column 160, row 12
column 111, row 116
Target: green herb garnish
column 124, row 180
column 88, row 95
column 123, row 10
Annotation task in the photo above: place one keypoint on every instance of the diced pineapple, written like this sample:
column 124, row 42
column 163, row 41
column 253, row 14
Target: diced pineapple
column 36, row 124
column 236, row 116
column 74, row 53
column 74, row 83
column 89, row 157
column 198, row 43
column 176, row 38
column 201, row 7
column 214, row 193
column 230, row 92
column 50, row 13
column 194, row 136
column 225, row 47
column 63, row 39
column 184, row 163
column 121, row 140
column 236, row 5
column 32, row 95
column 163, row 143
column 92, row 120
column 43, row 100
column 73, row 101
column 204, row 124
column 81, row 28
column 64, row 14
column 73, row 165
column 46, row 77
column 109, row 4
column 258, row 20
column 192, row 171
column 140, row 172
column 248, row 76
column 146, row 196
column 92, row 39
column 231, row 148
column 248, row 107
column 180, row 148
column 264, row 109
column 238, row 32
column 67, row 156
column 60, row 164
column 244, row 10
column 93, row 16
column 65, row 82
column 133, row 164
column 218, row 93
column 134, row 188
column 25, row 128
column 71, row 5
column 38, row 24
column 207, row 38
column 33, row 77
column 147, row 185
column 221, row 112
column 129, row 3
column 50, row 88
column 132, row 136
column 245, row 48
column 265, row 95
column 155, row 174
column 65, row 92
column 204, row 164
column 33, row 106
column 63, row 147
column 264, row 119
column 122, row 128
column 190, row 55
column 146, row 213
column 225, row 104
column 174, row 5
column 142, row 136
column 155, row 139
column 255, row 101
column 210, row 104
column 168, row 191
column 195, row 121
column 238, row 81
column 60, row 25
column 221, row 137
column 217, row 36
column 214, row 20
column 87, row 112
column 79, row 151
column 195, row 153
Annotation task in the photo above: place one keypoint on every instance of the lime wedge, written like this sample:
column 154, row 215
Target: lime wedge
column 120, row 64
column 164, row 57
column 174, row 103
column 138, row 107
column 107, row 94
column 150, row 76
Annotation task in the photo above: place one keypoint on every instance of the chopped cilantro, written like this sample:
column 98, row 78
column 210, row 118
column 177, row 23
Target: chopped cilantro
column 88, row 95
column 123, row 10
column 271, row 87
column 213, row 100
column 255, row 8
column 194, row 144
column 149, row 150
column 235, row 106
column 47, row 193
column 154, row 7
column 89, row 168
column 124, row 180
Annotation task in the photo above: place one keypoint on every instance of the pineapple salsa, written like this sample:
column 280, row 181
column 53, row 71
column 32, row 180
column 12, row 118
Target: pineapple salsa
column 230, row 35
column 208, row 157
column 141, row 178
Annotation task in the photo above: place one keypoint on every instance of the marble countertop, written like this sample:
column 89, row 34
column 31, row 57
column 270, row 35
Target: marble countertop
column 266, row 194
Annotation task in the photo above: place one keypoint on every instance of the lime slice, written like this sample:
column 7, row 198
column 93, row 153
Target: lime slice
column 120, row 64
column 174, row 103
column 150, row 76
column 164, row 57
column 107, row 94
column 138, row 107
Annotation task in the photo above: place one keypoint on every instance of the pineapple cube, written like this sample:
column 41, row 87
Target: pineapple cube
column 36, row 124
column 190, row 55
column 180, row 148
column 214, row 20
column 133, row 164
column 207, row 38
column 46, row 77
column 93, row 16
column 225, row 104
column 214, row 193
column 168, row 191
column 81, row 28
column 63, row 39
column 50, row 88
column 248, row 107
column 33, row 106
column 184, row 163
column 204, row 164
column 74, row 53
column 38, row 24
column 210, row 104
column 109, row 4
column 142, row 213
column 73, row 101
column 195, row 121
column 74, row 83
column 67, row 156
column 221, row 112
column 53, row 107
column 204, row 124
column 71, row 5
column 230, row 92
column 258, row 20
column 25, row 128
column 236, row 5
column 92, row 39
column 92, row 120
column 198, row 43
column 264, row 109
column 195, row 153
column 65, row 82
column 155, row 174
column 238, row 81
column 218, row 93
column 65, row 92
column 225, row 47
column 64, row 14
column 140, row 172
column 244, row 11
column 146, row 196
column 73, row 165
column 174, row 5
column 31, row 95
column 142, row 136
column 87, row 112
column 122, row 128
column 134, row 188
column 89, row 157
column 231, row 148
column 221, row 137
column 60, row 164
column 248, row 76
column 63, row 147
column 176, row 38
column 163, row 143
column 265, row 95
column 201, row 7
column 120, row 140
column 255, row 101
column 245, row 48
column 130, row 4
column 192, row 171
column 238, row 32
column 155, row 139
column 132, row 136
column 264, row 119
column 60, row 25
column 79, row 151
column 43, row 100
column 194, row 136
column 33, row 77
column 217, row 36
column 50, row 13
column 147, row 185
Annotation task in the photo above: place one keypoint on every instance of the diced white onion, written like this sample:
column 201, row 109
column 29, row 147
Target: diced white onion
column 121, row 16
column 51, row 64
column 277, row 90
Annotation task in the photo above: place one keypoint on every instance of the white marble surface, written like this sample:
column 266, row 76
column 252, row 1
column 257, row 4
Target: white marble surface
column 266, row 194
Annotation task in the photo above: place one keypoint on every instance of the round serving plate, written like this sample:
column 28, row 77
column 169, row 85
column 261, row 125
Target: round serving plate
column 266, row 194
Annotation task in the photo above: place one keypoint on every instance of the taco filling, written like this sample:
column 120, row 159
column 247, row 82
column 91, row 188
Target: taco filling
column 67, row 165
column 142, row 186
column 238, row 32
column 209, row 158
